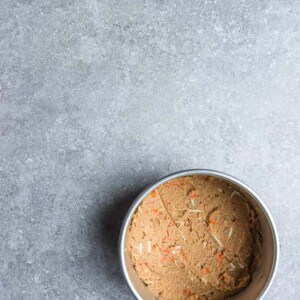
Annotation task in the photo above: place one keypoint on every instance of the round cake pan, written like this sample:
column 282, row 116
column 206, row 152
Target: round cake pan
column 263, row 276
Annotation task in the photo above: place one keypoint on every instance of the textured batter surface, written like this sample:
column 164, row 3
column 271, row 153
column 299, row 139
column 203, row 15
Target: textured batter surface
column 195, row 238
column 99, row 98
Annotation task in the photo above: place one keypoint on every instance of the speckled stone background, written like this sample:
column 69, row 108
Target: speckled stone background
column 100, row 98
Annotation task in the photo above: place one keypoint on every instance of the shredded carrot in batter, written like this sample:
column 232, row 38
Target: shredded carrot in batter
column 153, row 194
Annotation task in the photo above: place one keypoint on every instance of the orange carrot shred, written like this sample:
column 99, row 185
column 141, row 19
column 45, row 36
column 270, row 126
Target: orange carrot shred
column 172, row 222
column 186, row 291
column 164, row 259
column 220, row 258
column 206, row 270
column 153, row 194
column 165, row 251
column 192, row 195
column 212, row 220
column 155, row 210
column 174, row 183
column 186, row 258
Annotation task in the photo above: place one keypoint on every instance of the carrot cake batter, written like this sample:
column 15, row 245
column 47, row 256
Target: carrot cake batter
column 195, row 237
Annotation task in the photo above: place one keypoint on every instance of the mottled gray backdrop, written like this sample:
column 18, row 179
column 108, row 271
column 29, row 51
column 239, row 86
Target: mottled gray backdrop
column 100, row 98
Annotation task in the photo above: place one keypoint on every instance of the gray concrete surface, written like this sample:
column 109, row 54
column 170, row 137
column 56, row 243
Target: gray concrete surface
column 100, row 98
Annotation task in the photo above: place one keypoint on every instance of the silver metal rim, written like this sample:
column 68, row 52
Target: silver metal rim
column 190, row 172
